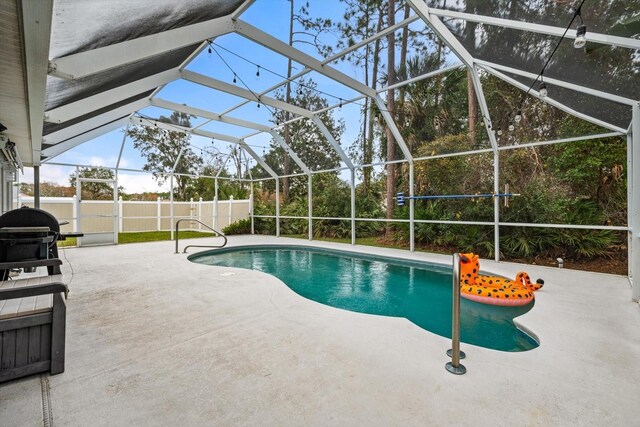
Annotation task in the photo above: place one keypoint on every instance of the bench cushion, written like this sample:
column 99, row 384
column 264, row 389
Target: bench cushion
column 29, row 305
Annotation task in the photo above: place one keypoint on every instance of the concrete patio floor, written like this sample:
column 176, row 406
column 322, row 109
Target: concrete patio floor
column 153, row 339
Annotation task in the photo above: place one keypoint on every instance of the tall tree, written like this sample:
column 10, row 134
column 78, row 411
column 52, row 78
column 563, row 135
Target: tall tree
column 309, row 33
column 287, row 98
column 165, row 148
column 470, row 35
column 48, row 189
column 307, row 141
column 94, row 190
column 391, row 107
column 361, row 20
column 375, row 69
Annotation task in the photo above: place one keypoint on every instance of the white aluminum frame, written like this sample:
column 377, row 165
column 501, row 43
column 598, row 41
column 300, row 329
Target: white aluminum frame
column 86, row 63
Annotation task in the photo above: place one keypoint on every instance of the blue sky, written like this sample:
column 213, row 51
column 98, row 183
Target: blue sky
column 270, row 16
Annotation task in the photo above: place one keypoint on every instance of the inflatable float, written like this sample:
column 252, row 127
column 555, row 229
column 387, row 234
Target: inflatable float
column 493, row 289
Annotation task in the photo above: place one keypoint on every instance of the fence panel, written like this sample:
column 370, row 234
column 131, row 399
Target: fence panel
column 138, row 216
column 60, row 207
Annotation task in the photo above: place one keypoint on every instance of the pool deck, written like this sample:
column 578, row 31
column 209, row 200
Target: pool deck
column 153, row 339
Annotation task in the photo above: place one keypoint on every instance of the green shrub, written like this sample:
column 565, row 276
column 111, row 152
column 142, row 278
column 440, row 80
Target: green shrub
column 242, row 226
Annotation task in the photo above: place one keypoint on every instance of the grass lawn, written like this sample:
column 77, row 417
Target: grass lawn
column 147, row 236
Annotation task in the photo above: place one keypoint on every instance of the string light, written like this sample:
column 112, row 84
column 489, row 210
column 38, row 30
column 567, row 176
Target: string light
column 290, row 80
column 234, row 78
column 581, row 31
column 499, row 132
column 580, row 40
column 542, row 90
column 258, row 72
column 518, row 117
column 578, row 43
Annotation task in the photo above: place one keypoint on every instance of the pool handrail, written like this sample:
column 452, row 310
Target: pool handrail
column 198, row 246
column 455, row 367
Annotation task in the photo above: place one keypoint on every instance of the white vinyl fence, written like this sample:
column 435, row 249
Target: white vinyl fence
column 136, row 216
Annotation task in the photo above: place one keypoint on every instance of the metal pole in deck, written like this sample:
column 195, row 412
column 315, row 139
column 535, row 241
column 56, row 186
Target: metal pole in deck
column 455, row 367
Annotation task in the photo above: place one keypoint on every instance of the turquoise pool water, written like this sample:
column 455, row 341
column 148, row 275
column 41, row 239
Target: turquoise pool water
column 420, row 292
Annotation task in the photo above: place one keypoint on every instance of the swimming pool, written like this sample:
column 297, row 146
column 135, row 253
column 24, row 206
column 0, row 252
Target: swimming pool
column 420, row 292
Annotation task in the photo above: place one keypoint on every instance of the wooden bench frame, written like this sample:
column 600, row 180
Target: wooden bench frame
column 33, row 343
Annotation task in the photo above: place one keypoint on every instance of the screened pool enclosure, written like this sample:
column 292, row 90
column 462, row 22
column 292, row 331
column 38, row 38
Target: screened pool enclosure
column 74, row 70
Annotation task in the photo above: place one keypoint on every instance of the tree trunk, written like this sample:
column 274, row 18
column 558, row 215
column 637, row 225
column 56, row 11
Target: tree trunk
column 391, row 107
column 472, row 101
column 366, row 172
column 473, row 109
column 403, row 75
column 368, row 154
column 437, row 96
column 287, row 134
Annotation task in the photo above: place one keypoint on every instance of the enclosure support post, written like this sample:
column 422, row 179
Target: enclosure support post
column 253, row 225
column 353, row 206
column 496, row 205
column 120, row 215
column 78, row 200
column 629, row 202
column 634, row 258
column 159, row 213
column 277, row 207
column 74, row 213
column 36, row 187
column 310, row 204
column 173, row 170
column 412, row 206
column 171, row 204
column 116, row 209
column 215, row 205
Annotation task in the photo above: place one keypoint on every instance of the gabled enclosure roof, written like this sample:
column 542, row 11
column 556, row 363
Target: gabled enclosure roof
column 75, row 69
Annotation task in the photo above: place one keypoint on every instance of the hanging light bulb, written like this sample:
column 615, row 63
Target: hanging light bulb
column 542, row 90
column 234, row 77
column 580, row 40
column 209, row 50
column 258, row 72
column 511, row 127
column 340, row 102
column 499, row 132
column 518, row 116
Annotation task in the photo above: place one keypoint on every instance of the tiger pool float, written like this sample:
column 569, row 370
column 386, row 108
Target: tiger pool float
column 492, row 289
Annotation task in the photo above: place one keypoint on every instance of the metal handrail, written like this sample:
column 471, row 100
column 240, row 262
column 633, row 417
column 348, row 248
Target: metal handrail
column 197, row 246
column 455, row 367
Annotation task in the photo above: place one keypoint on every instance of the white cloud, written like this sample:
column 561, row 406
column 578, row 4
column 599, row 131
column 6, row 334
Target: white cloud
column 140, row 183
column 49, row 173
